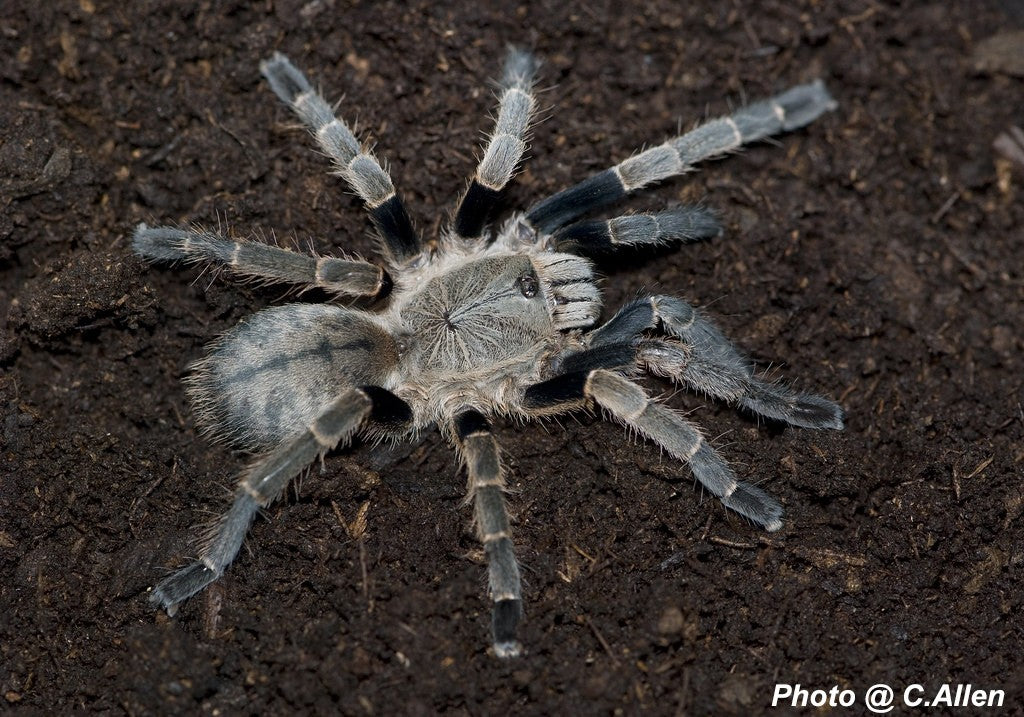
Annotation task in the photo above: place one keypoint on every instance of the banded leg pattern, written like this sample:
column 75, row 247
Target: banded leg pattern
column 358, row 167
column 263, row 482
column 708, row 362
column 683, row 224
column 789, row 110
column 505, row 147
column 628, row 403
column 261, row 261
column 486, row 486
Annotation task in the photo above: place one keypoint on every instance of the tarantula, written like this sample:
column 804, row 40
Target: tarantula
column 473, row 324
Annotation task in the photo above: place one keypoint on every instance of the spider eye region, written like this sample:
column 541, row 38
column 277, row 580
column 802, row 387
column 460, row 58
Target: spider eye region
column 527, row 284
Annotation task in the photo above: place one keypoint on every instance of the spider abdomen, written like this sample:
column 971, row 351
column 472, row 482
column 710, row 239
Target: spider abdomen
column 270, row 376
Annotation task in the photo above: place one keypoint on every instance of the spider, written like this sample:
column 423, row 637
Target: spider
column 476, row 323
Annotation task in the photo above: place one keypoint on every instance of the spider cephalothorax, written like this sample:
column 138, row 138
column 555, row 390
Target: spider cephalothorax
column 473, row 324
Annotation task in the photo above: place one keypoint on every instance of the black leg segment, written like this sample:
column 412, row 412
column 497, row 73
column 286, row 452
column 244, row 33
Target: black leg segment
column 587, row 238
column 395, row 227
column 611, row 356
column 557, row 394
column 679, row 225
column 589, row 195
column 628, row 323
column 389, row 411
column 476, row 208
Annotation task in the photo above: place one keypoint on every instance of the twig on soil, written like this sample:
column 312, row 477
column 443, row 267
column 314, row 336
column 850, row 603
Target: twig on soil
column 968, row 264
column 946, row 206
column 357, row 531
column 364, row 575
column 152, row 487
column 739, row 546
column 592, row 560
column 600, row 638
column 981, row 466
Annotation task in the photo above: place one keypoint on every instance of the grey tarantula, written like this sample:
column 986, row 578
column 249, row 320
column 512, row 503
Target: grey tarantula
column 475, row 324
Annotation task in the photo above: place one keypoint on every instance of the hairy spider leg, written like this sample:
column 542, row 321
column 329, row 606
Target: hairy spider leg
column 486, row 486
column 708, row 362
column 261, row 261
column 790, row 110
column 684, row 225
column 356, row 166
column 263, row 481
column 627, row 403
column 505, row 146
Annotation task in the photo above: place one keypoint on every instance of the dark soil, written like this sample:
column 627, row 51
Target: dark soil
column 874, row 257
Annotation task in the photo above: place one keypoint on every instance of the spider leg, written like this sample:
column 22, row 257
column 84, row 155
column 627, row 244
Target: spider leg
column 479, row 451
column 620, row 356
column 261, row 261
column 682, row 224
column 357, row 166
column 769, row 399
column 707, row 361
column 789, row 110
column 505, row 147
column 263, row 481
column 628, row 403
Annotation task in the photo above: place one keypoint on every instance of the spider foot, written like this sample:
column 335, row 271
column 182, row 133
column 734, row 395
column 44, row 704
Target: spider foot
column 505, row 619
column 753, row 503
column 818, row 412
column 797, row 409
column 185, row 583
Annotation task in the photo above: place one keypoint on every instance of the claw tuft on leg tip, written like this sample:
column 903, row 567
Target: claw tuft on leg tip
column 509, row 649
